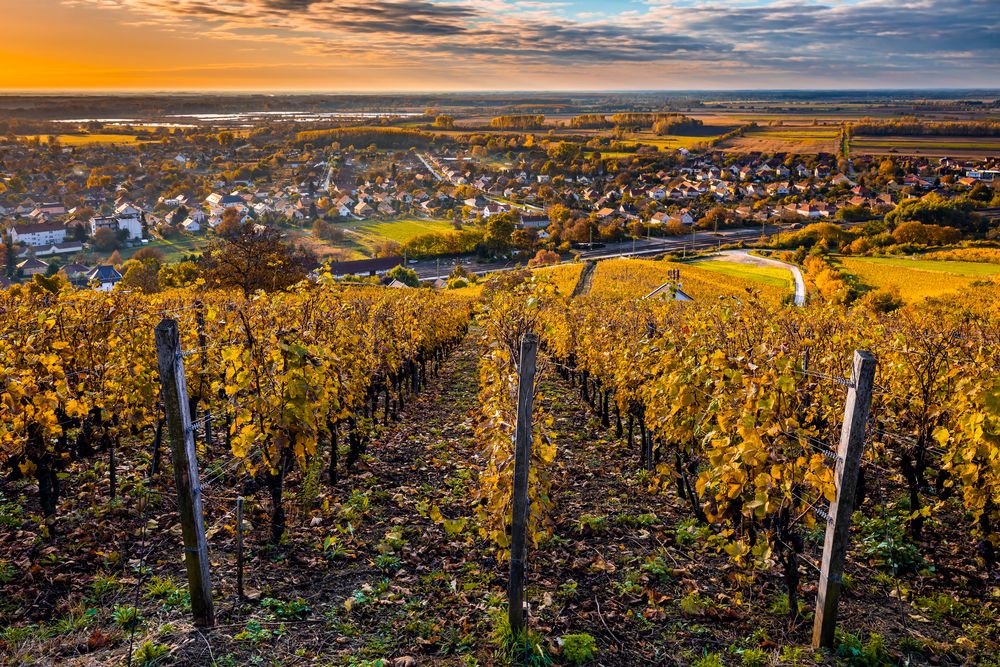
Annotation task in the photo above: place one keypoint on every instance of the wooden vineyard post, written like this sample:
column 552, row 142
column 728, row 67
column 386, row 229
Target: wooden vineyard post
column 181, row 433
column 522, row 461
column 239, row 548
column 852, row 443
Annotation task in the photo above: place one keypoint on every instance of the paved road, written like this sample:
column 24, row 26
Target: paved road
column 699, row 240
column 744, row 257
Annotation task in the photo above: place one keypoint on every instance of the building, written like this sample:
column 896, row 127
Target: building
column 105, row 276
column 129, row 223
column 32, row 266
column 38, row 234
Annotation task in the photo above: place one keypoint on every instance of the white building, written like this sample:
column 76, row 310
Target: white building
column 129, row 223
column 38, row 234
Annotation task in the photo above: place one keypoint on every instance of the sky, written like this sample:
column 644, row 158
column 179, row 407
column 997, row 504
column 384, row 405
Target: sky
column 469, row 45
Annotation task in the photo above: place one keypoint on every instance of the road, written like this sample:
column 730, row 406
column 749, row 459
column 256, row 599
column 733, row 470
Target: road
column 744, row 257
column 430, row 269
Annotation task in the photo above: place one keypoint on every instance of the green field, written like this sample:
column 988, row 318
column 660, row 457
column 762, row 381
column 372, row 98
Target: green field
column 173, row 249
column 402, row 231
column 765, row 275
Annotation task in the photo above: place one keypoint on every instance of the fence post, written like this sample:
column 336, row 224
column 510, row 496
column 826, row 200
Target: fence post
column 852, row 443
column 178, row 418
column 522, row 461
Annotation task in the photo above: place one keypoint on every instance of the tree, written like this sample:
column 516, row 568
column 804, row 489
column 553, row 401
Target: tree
column 443, row 121
column 142, row 276
column 250, row 258
column 921, row 234
column 499, row 229
column 404, row 275
column 544, row 258
column 105, row 240
column 181, row 274
column 149, row 254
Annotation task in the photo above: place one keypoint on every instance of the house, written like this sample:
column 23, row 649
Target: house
column 32, row 266
column 534, row 222
column 58, row 248
column 104, row 277
column 75, row 272
column 191, row 225
column 398, row 284
column 38, row 233
column 363, row 210
column 683, row 218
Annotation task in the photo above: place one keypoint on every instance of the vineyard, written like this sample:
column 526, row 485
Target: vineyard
column 356, row 451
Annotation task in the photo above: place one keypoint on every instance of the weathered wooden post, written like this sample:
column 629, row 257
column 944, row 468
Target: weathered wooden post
column 522, row 462
column 178, row 419
column 239, row 548
column 852, row 443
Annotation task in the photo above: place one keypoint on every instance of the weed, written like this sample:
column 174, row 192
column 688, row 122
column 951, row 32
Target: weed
column 7, row 572
column 754, row 657
column 126, row 617
column 293, row 610
column 708, row 660
column 591, row 524
column 255, row 633
column 151, row 653
column 862, row 654
column 526, row 648
column 578, row 649
column 694, row 604
column 104, row 586
column 388, row 562
column 636, row 521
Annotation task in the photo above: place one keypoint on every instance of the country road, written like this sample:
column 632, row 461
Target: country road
column 744, row 257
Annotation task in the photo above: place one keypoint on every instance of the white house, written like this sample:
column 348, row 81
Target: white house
column 191, row 225
column 129, row 223
column 38, row 233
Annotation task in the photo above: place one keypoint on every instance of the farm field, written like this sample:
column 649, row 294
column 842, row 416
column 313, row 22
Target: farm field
column 87, row 139
column 635, row 278
column 402, row 231
column 766, row 275
column 787, row 138
column 916, row 279
column 967, row 147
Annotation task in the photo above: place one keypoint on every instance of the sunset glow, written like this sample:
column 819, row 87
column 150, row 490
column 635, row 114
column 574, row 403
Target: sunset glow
column 409, row 45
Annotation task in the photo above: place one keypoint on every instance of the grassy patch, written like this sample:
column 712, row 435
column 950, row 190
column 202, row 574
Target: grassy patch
column 766, row 275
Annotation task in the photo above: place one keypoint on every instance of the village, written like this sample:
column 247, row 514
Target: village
column 84, row 210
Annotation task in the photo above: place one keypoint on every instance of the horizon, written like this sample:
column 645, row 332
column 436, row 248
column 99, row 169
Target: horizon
column 421, row 46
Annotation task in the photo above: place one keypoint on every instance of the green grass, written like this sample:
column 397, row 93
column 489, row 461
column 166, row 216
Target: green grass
column 173, row 249
column 766, row 275
column 402, row 231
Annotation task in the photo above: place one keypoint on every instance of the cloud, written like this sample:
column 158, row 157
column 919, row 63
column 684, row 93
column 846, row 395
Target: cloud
column 835, row 39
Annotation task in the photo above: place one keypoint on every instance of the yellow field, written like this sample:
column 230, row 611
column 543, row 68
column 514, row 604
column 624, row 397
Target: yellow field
column 564, row 276
column 85, row 139
column 635, row 278
column 916, row 279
